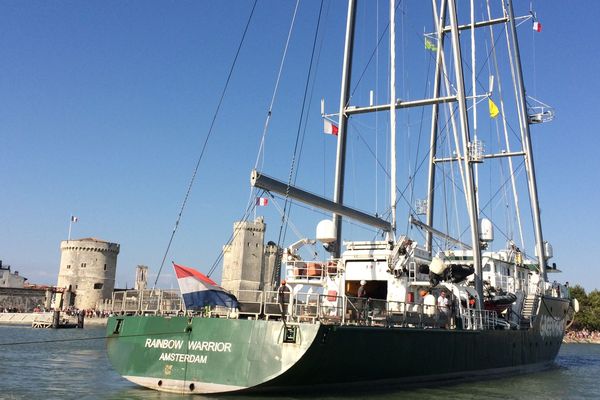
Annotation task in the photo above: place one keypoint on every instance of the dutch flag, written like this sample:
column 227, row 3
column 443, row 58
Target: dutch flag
column 198, row 290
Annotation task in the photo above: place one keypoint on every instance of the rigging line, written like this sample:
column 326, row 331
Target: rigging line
column 383, row 34
column 292, row 175
column 517, row 170
column 264, row 134
column 87, row 338
column 275, row 90
column 249, row 208
column 425, row 157
column 412, row 189
column 293, row 227
column 208, row 135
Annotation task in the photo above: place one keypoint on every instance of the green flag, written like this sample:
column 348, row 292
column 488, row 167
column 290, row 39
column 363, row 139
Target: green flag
column 429, row 45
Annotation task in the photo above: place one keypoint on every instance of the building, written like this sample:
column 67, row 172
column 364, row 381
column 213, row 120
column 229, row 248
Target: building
column 9, row 279
column 247, row 263
column 141, row 277
column 87, row 270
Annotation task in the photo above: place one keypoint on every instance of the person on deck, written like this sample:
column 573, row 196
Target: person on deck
column 362, row 291
column 283, row 297
column 444, row 309
column 361, row 303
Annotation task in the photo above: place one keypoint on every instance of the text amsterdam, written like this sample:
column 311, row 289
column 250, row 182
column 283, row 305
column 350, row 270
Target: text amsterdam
column 192, row 345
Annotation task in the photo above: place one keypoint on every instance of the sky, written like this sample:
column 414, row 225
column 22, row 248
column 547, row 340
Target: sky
column 105, row 106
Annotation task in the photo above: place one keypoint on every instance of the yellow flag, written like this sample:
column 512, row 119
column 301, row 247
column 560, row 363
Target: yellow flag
column 493, row 109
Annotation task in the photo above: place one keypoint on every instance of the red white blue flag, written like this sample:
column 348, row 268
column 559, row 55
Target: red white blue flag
column 537, row 26
column 199, row 291
column 262, row 201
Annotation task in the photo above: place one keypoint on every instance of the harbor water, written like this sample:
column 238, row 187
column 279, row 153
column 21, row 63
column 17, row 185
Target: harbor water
column 72, row 364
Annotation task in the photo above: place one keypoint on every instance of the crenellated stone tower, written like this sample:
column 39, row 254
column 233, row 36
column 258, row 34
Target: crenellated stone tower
column 247, row 263
column 87, row 268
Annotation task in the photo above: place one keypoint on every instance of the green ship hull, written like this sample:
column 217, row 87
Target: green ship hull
column 214, row 355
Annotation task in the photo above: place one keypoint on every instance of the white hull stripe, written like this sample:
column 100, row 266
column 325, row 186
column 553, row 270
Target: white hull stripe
column 183, row 387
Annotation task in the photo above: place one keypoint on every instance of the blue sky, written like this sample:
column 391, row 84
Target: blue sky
column 104, row 106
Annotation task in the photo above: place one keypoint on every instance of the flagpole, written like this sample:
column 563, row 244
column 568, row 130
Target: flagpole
column 70, row 224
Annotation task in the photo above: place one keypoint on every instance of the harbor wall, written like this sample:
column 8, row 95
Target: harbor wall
column 23, row 299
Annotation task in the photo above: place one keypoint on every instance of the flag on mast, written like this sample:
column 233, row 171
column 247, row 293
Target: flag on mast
column 199, row 291
column 537, row 26
column 74, row 218
column 429, row 45
column 330, row 128
column 493, row 109
column 262, row 201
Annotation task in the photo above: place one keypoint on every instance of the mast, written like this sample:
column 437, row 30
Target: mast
column 393, row 112
column 340, row 165
column 468, row 165
column 533, row 194
column 434, row 119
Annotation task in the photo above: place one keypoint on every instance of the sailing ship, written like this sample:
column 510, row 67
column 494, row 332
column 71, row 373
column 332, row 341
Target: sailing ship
column 496, row 313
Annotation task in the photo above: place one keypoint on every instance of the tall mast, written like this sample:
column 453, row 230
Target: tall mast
column 533, row 195
column 468, row 165
column 434, row 118
column 340, row 165
column 393, row 112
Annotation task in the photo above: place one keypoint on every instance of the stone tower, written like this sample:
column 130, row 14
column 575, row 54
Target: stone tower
column 87, row 268
column 247, row 263
column 141, row 277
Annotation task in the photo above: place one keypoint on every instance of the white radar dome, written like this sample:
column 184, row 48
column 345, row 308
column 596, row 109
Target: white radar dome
column 437, row 266
column 486, row 230
column 326, row 231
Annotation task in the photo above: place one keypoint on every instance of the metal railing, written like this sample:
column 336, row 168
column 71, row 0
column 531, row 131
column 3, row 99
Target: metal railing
column 310, row 271
column 312, row 307
column 155, row 301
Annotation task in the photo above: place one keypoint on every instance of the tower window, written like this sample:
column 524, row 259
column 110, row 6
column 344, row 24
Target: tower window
column 68, row 266
column 105, row 267
column 83, row 265
column 98, row 285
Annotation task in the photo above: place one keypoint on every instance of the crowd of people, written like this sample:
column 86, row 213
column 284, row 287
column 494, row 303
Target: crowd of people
column 72, row 311
column 583, row 336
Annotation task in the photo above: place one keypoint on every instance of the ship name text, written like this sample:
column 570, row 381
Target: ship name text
column 194, row 345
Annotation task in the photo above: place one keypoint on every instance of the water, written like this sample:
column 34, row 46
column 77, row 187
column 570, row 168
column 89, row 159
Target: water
column 71, row 364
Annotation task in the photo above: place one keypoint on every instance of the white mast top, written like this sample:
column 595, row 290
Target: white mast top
column 393, row 113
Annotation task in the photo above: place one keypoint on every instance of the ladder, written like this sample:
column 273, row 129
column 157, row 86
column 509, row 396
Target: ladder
column 529, row 311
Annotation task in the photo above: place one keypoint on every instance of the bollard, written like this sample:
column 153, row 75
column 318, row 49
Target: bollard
column 56, row 319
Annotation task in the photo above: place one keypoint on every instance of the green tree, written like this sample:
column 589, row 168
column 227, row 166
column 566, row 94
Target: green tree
column 588, row 316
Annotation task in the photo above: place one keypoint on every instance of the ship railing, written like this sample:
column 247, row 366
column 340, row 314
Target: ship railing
column 150, row 301
column 306, row 307
column 273, row 308
column 473, row 319
column 250, row 302
column 147, row 302
column 506, row 283
column 332, row 309
column 357, row 310
column 309, row 272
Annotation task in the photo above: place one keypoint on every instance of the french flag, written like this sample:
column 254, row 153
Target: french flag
column 198, row 290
